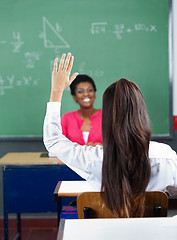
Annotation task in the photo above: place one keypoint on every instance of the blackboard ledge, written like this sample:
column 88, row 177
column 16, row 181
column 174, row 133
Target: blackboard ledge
column 162, row 137
column 21, row 139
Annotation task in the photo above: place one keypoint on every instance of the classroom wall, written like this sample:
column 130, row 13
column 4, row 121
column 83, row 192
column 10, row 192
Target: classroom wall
column 37, row 146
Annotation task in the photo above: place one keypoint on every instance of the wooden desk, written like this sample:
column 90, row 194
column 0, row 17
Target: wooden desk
column 118, row 228
column 71, row 188
column 28, row 183
column 28, row 159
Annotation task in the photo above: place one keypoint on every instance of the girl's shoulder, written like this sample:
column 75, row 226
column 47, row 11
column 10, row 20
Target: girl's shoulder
column 161, row 150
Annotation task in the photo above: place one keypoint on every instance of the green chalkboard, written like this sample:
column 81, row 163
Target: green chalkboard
column 109, row 39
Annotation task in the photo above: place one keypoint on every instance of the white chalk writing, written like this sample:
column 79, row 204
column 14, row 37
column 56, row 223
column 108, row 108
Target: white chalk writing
column 98, row 27
column 10, row 82
column 52, row 37
column 120, row 29
column 93, row 73
column 17, row 43
column 31, row 58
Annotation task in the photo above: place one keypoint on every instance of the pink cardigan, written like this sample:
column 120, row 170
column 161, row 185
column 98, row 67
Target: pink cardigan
column 71, row 127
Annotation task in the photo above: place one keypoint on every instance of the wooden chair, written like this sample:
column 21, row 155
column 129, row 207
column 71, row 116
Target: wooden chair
column 156, row 204
column 91, row 205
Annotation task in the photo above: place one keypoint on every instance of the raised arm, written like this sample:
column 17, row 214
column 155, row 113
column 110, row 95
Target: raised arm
column 61, row 77
column 84, row 160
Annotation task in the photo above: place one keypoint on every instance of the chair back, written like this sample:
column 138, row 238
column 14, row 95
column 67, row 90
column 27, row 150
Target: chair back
column 91, row 205
column 156, row 204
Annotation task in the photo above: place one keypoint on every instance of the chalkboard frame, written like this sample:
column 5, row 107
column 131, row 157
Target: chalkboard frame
column 170, row 59
column 170, row 86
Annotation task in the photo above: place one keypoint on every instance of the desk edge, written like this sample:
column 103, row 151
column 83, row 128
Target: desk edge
column 55, row 194
column 61, row 229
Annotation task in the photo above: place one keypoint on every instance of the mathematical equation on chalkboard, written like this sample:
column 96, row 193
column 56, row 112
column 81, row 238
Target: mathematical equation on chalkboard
column 121, row 30
column 56, row 41
column 10, row 82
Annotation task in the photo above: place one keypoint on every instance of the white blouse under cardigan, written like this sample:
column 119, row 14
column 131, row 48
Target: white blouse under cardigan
column 87, row 160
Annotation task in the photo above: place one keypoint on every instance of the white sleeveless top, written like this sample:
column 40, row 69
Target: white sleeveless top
column 85, row 136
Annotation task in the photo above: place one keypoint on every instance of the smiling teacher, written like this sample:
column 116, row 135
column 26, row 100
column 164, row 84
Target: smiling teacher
column 84, row 125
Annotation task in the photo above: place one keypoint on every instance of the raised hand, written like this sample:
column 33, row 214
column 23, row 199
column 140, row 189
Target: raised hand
column 61, row 77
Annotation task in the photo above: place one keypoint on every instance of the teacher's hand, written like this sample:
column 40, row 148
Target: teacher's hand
column 61, row 77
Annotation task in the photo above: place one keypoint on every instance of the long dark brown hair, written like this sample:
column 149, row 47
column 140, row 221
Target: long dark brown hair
column 126, row 135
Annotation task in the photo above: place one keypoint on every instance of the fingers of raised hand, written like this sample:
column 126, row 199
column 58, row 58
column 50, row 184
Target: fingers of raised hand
column 65, row 64
column 67, row 61
column 55, row 65
column 73, row 77
column 62, row 61
column 70, row 64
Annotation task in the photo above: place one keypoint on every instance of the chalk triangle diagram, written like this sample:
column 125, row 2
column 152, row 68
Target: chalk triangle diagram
column 56, row 40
